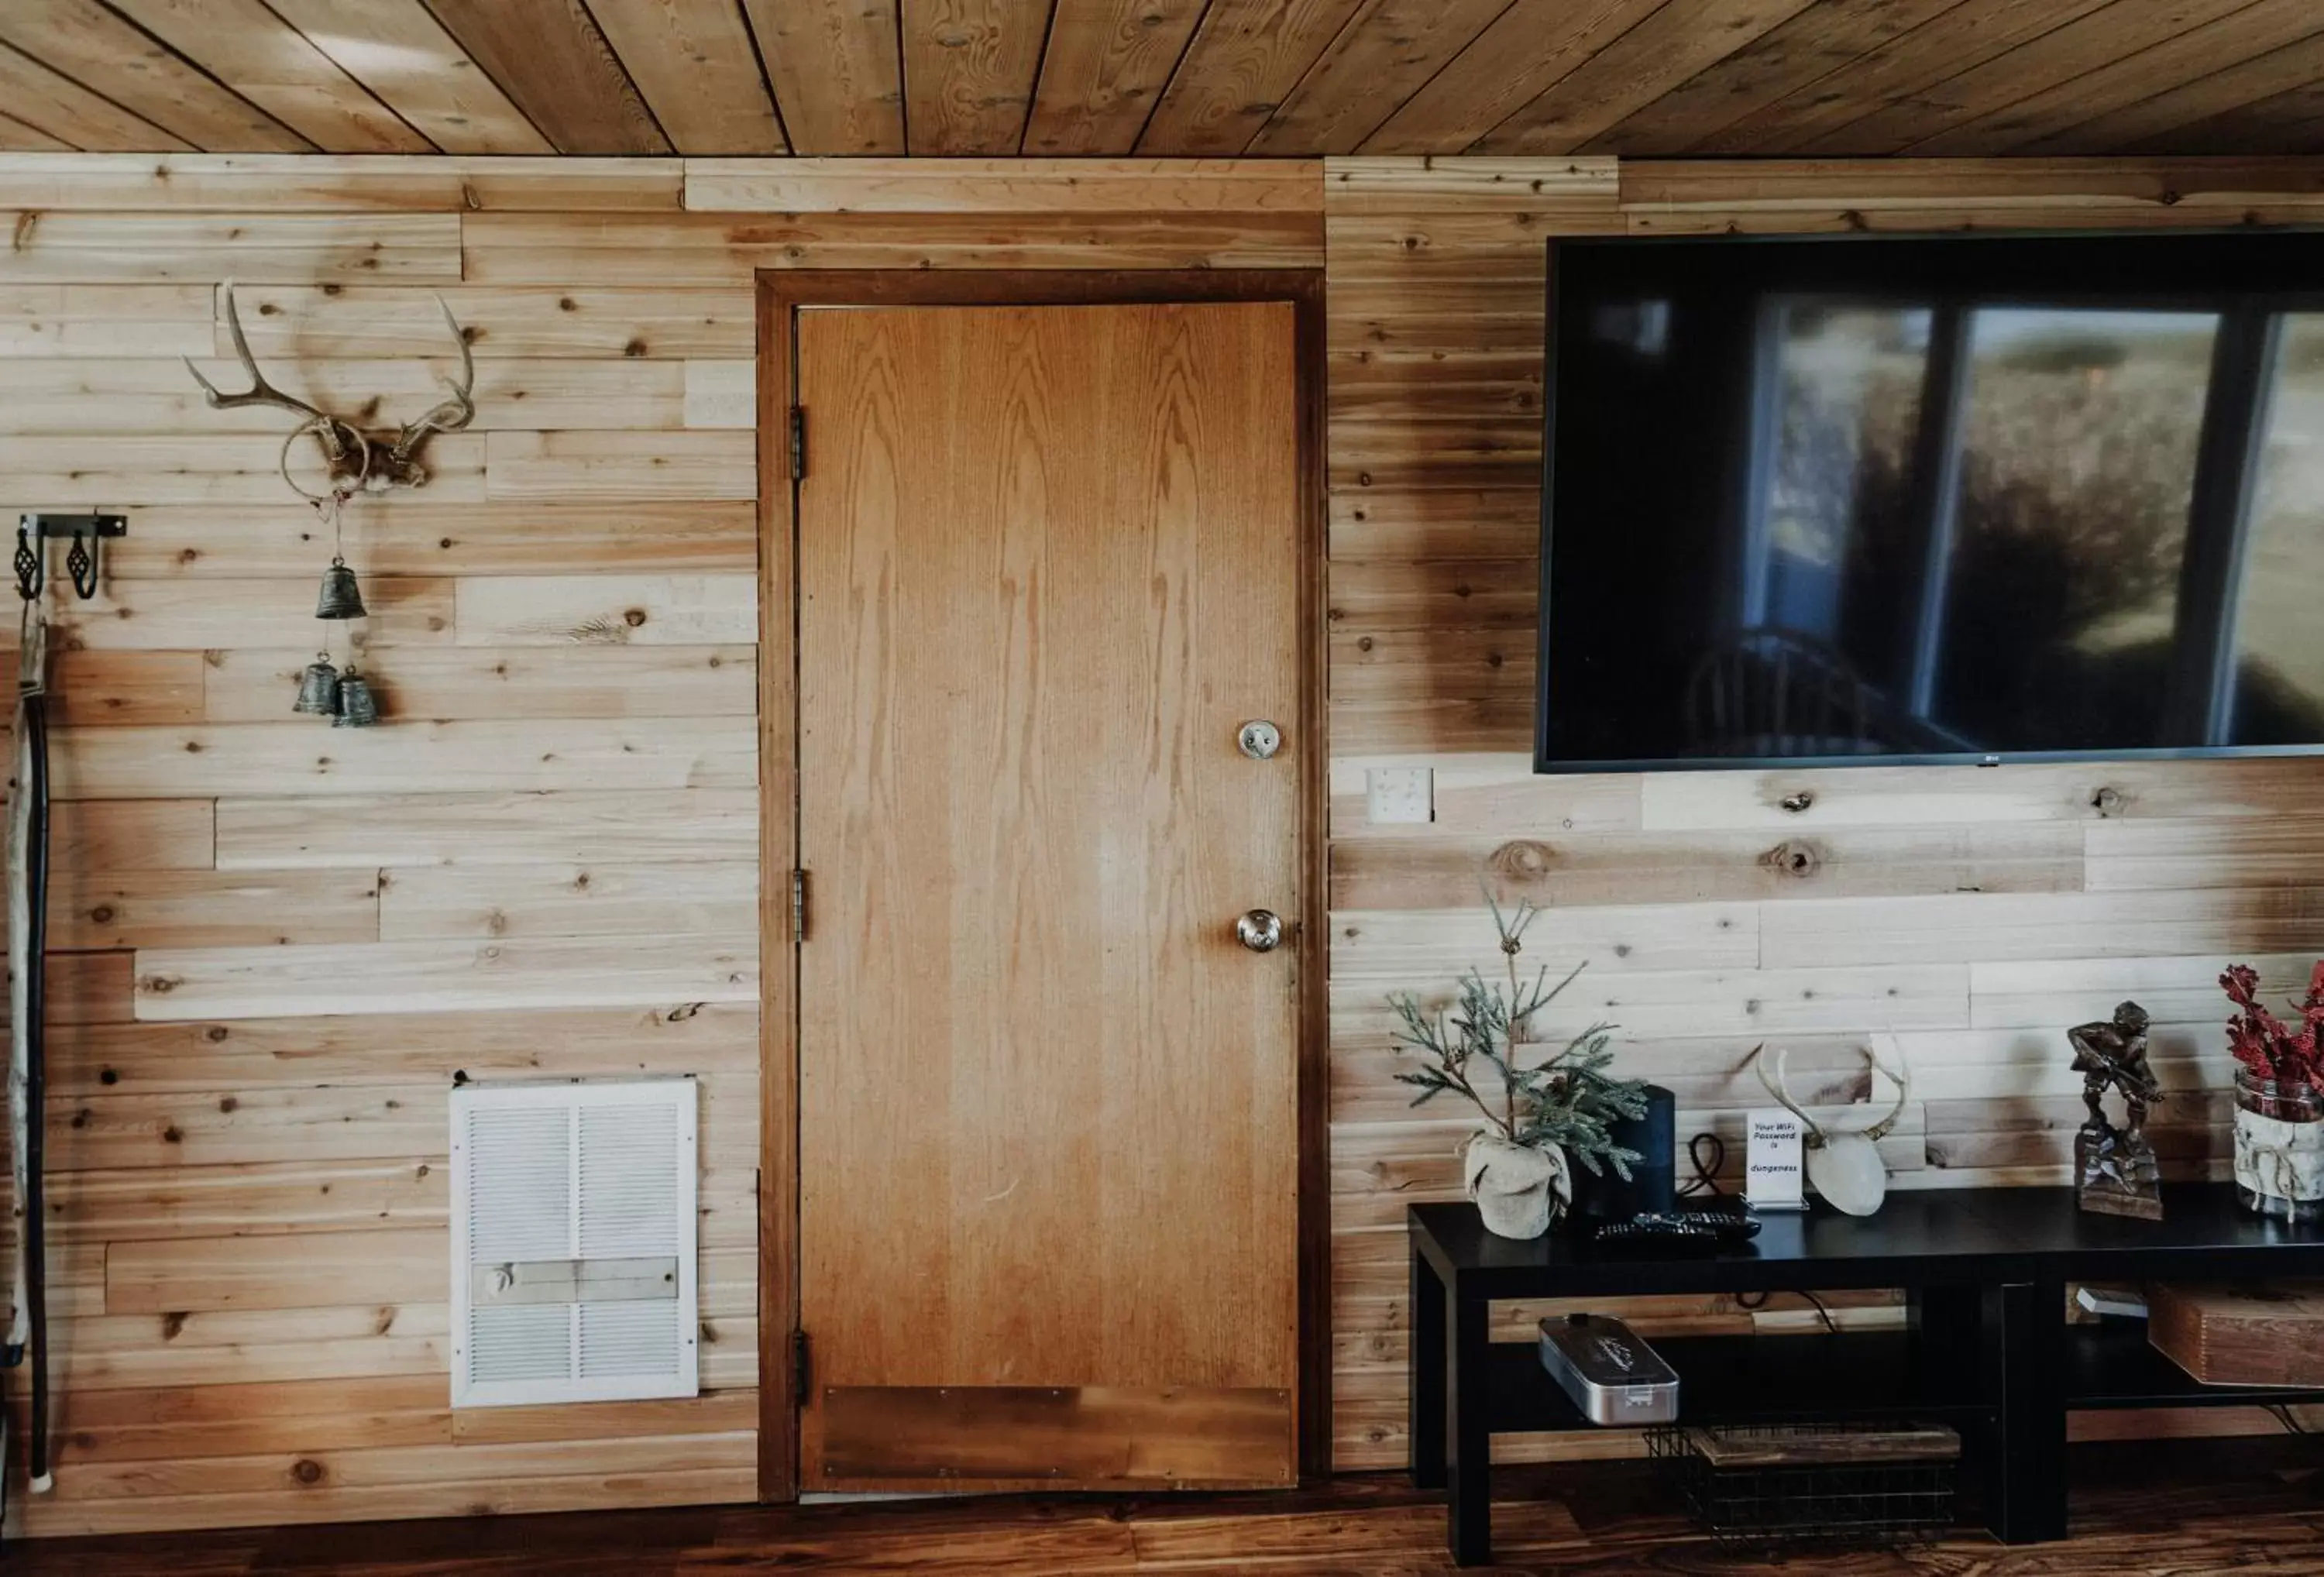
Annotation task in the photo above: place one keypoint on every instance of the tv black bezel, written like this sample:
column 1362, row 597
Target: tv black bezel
column 1543, row 765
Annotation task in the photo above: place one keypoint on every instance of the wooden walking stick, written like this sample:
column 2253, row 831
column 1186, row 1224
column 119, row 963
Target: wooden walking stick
column 28, row 883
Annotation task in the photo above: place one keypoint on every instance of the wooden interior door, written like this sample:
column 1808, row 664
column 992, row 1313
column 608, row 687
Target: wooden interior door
column 1047, row 567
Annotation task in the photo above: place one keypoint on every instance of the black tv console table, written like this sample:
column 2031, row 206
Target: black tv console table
column 1985, row 1346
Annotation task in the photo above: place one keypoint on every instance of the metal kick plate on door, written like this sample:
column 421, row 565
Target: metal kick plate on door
column 1259, row 739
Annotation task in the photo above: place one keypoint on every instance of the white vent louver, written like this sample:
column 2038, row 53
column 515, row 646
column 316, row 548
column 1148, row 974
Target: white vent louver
column 573, row 1242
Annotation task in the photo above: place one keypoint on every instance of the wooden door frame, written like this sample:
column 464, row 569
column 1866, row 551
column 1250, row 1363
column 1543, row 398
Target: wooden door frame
column 781, row 293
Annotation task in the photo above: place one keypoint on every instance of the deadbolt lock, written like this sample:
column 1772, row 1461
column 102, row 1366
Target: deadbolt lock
column 1259, row 739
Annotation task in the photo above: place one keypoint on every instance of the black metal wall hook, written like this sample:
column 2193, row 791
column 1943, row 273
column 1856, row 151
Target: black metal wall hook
column 28, row 561
column 35, row 533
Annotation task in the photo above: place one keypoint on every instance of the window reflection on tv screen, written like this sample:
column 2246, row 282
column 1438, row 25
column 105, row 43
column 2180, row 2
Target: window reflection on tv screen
column 1952, row 498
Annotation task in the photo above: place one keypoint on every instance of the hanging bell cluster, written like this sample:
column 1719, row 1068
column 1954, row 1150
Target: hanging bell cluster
column 324, row 691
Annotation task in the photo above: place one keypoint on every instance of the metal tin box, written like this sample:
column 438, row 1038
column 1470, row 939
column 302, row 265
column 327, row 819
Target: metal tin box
column 1612, row 1375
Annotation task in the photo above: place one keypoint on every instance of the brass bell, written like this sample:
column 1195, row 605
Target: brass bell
column 341, row 598
column 319, row 689
column 358, row 706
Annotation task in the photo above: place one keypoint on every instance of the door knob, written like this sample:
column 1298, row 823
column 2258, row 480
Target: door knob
column 1261, row 930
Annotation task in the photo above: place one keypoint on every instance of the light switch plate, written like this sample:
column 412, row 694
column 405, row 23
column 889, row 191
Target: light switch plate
column 1400, row 793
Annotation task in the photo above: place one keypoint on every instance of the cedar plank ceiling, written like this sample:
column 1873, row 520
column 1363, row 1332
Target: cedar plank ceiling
column 1293, row 79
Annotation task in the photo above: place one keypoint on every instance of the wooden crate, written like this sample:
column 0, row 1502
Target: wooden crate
column 2267, row 1334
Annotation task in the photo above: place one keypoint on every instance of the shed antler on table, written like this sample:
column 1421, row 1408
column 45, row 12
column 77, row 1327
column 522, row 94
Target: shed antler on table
column 1844, row 1164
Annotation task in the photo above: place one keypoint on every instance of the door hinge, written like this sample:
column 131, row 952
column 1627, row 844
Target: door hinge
column 799, row 442
column 798, row 1367
column 798, row 906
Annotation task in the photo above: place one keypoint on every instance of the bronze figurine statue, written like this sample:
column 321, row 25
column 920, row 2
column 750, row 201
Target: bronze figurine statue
column 2116, row 1166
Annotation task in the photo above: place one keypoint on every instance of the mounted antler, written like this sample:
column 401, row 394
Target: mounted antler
column 1844, row 1164
column 354, row 461
column 449, row 415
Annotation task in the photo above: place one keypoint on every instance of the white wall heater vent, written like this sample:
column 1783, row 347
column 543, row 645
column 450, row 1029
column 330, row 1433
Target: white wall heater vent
column 573, row 1242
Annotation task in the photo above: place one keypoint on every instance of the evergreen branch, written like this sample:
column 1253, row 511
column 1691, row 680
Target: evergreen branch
column 1568, row 1099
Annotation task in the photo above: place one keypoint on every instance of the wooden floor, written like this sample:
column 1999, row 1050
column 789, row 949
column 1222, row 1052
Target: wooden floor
column 2181, row 1508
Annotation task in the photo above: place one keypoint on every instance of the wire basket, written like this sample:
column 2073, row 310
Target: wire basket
column 1766, row 1487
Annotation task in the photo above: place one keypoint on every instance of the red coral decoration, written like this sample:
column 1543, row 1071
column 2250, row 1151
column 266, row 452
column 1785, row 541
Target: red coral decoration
column 2265, row 1043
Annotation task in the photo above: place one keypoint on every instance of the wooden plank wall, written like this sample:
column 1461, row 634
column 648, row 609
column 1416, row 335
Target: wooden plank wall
column 281, row 940
column 1972, row 914
column 278, row 940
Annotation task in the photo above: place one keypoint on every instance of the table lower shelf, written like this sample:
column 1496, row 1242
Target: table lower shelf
column 1860, row 1374
column 2112, row 1365
column 1740, row 1378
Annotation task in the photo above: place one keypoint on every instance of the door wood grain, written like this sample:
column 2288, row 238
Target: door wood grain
column 1048, row 563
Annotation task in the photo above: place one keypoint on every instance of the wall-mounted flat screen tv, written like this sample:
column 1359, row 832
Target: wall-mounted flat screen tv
column 1959, row 499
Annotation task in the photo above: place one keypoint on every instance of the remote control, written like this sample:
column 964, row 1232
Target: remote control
column 1700, row 1231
